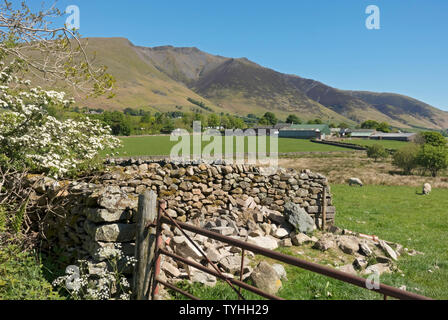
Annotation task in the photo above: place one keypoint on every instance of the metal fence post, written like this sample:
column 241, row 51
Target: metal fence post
column 144, row 243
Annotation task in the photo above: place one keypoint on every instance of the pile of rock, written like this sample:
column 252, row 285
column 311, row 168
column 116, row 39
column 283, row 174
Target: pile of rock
column 371, row 255
column 245, row 221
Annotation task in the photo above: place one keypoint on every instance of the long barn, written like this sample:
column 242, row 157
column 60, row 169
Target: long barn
column 306, row 131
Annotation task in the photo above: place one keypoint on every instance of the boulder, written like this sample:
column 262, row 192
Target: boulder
column 105, row 215
column 348, row 245
column 281, row 272
column 286, row 242
column 298, row 218
column 213, row 254
column 365, row 249
column 388, row 250
column 360, row 263
column 281, row 233
column 225, row 231
column 115, row 201
column 185, row 248
column 171, row 270
column 116, row 232
column 232, row 264
column 265, row 277
column 264, row 242
column 202, row 277
column 300, row 239
column 324, row 244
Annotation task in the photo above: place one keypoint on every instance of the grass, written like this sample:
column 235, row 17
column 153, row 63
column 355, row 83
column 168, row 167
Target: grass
column 415, row 221
column 22, row 276
column 388, row 144
column 161, row 146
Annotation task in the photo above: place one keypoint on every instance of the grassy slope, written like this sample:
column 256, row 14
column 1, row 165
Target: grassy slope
column 139, row 84
column 415, row 221
column 161, row 145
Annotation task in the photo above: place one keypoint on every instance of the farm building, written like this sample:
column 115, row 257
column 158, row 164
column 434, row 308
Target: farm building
column 361, row 133
column 271, row 130
column 394, row 136
column 306, row 131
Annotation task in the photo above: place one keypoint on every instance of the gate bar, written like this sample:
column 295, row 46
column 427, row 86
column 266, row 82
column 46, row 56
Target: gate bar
column 169, row 285
column 314, row 267
column 241, row 284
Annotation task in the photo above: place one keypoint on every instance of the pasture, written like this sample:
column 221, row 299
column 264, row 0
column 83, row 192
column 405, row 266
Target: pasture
column 388, row 144
column 161, row 146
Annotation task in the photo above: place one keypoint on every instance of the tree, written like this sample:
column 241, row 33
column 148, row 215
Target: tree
column 433, row 158
column 168, row 126
column 30, row 137
column 213, row 120
column 369, row 124
column 268, row 119
column 372, row 124
column 293, row 119
column 48, row 54
column 406, row 158
column 383, row 127
column 343, row 125
column 146, row 118
column 315, row 121
column 433, row 138
column 377, row 151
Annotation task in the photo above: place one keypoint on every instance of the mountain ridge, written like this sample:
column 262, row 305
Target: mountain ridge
column 163, row 77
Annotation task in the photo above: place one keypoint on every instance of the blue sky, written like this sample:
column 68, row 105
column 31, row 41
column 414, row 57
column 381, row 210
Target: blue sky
column 325, row 40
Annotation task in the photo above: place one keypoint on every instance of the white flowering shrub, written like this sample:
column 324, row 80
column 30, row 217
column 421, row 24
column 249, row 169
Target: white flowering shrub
column 106, row 285
column 31, row 137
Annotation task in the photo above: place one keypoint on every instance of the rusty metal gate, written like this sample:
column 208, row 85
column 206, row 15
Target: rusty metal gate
column 147, row 281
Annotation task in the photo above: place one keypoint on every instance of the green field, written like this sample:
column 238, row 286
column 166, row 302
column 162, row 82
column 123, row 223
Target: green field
column 389, row 144
column 415, row 221
column 161, row 146
column 403, row 216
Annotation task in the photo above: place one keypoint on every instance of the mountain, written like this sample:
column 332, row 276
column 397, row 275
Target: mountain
column 162, row 78
column 139, row 83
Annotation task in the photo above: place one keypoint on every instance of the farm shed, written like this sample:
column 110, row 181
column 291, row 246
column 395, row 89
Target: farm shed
column 271, row 130
column 393, row 136
column 362, row 133
column 306, row 131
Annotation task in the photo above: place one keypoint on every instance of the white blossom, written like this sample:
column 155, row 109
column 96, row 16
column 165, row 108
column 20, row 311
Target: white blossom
column 46, row 143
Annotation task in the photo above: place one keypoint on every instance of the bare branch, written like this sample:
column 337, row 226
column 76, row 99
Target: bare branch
column 51, row 54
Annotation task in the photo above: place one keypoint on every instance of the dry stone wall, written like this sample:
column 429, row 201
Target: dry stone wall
column 102, row 212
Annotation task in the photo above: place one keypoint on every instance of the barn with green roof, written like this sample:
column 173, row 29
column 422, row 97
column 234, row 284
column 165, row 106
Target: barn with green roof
column 306, row 131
